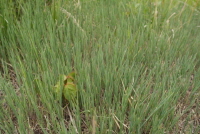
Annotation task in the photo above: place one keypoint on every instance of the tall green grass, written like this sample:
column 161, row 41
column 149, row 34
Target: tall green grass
column 134, row 61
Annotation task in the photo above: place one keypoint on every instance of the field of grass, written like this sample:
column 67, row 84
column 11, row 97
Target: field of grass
column 137, row 65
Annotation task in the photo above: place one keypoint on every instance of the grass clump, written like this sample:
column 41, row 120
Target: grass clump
column 137, row 65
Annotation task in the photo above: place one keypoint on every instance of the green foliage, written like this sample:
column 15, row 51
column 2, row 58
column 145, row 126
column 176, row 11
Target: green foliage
column 138, row 64
column 66, row 87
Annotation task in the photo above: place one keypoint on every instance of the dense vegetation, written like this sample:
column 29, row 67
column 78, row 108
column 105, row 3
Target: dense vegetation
column 136, row 63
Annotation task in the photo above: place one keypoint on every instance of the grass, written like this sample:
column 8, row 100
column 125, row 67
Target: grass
column 137, row 65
